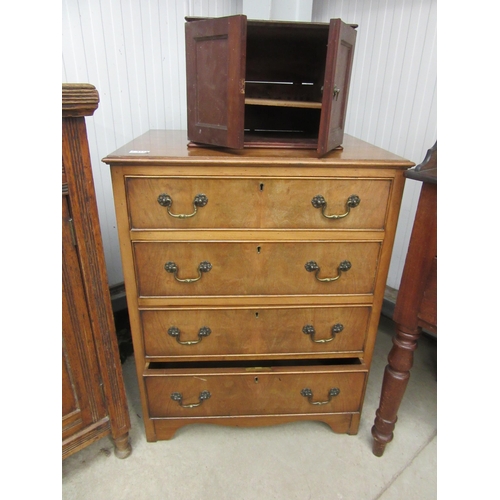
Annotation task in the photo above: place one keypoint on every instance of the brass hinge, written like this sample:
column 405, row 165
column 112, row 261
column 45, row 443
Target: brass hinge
column 72, row 231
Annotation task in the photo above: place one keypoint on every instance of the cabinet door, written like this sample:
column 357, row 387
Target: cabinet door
column 215, row 71
column 339, row 57
column 82, row 399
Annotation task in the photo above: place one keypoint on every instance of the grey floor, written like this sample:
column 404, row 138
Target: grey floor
column 303, row 460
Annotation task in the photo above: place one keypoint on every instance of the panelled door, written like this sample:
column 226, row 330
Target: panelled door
column 215, row 67
column 339, row 57
column 82, row 398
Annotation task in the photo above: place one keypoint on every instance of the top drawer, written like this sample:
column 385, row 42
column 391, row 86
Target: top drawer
column 256, row 203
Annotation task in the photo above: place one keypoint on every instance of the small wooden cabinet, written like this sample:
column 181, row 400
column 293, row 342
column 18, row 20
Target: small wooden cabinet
column 93, row 395
column 268, row 83
column 254, row 279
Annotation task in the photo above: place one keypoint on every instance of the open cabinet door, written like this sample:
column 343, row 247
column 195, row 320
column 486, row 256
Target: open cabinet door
column 339, row 57
column 215, row 72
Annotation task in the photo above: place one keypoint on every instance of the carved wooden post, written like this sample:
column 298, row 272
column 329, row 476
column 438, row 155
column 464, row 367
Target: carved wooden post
column 94, row 399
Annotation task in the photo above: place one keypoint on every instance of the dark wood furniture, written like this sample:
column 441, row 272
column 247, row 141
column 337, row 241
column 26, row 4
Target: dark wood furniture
column 254, row 278
column 268, row 83
column 416, row 303
column 93, row 394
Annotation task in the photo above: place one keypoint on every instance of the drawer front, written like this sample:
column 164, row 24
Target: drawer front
column 232, row 332
column 256, row 203
column 240, row 392
column 242, row 268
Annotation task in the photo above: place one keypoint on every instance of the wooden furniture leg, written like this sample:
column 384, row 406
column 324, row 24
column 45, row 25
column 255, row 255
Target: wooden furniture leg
column 122, row 446
column 396, row 376
column 416, row 304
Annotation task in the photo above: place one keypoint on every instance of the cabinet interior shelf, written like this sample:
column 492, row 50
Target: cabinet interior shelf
column 282, row 103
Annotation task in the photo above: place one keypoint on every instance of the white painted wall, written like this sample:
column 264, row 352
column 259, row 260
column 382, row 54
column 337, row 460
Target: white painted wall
column 133, row 52
column 278, row 10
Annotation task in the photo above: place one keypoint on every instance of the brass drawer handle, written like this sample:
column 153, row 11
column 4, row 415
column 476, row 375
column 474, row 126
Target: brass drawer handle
column 200, row 200
column 204, row 331
column 320, row 202
column 309, row 330
column 307, row 393
column 177, row 396
column 204, row 267
column 311, row 266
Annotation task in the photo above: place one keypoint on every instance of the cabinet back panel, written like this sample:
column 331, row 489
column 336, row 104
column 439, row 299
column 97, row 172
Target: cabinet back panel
column 302, row 91
column 286, row 53
column 282, row 119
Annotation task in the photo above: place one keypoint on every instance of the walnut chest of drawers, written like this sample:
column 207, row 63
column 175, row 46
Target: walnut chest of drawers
column 254, row 278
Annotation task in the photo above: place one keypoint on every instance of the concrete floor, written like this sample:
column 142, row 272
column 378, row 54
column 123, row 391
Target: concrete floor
column 303, row 460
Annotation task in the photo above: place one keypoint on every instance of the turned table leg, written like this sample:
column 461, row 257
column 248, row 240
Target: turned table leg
column 396, row 376
column 122, row 446
column 416, row 302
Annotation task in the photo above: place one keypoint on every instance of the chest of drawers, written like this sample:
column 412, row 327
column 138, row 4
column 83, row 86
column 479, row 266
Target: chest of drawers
column 254, row 278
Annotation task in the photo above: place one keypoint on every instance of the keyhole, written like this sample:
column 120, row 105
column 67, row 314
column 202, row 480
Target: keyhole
column 261, row 186
column 256, row 380
column 256, row 315
column 258, row 249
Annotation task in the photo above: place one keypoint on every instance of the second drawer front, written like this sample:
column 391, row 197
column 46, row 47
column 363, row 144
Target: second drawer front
column 239, row 392
column 242, row 268
column 232, row 332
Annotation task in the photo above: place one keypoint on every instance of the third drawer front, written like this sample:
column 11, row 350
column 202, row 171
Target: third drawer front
column 243, row 268
column 232, row 332
column 242, row 391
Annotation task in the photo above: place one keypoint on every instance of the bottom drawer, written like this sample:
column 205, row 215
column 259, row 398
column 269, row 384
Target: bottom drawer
column 231, row 389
